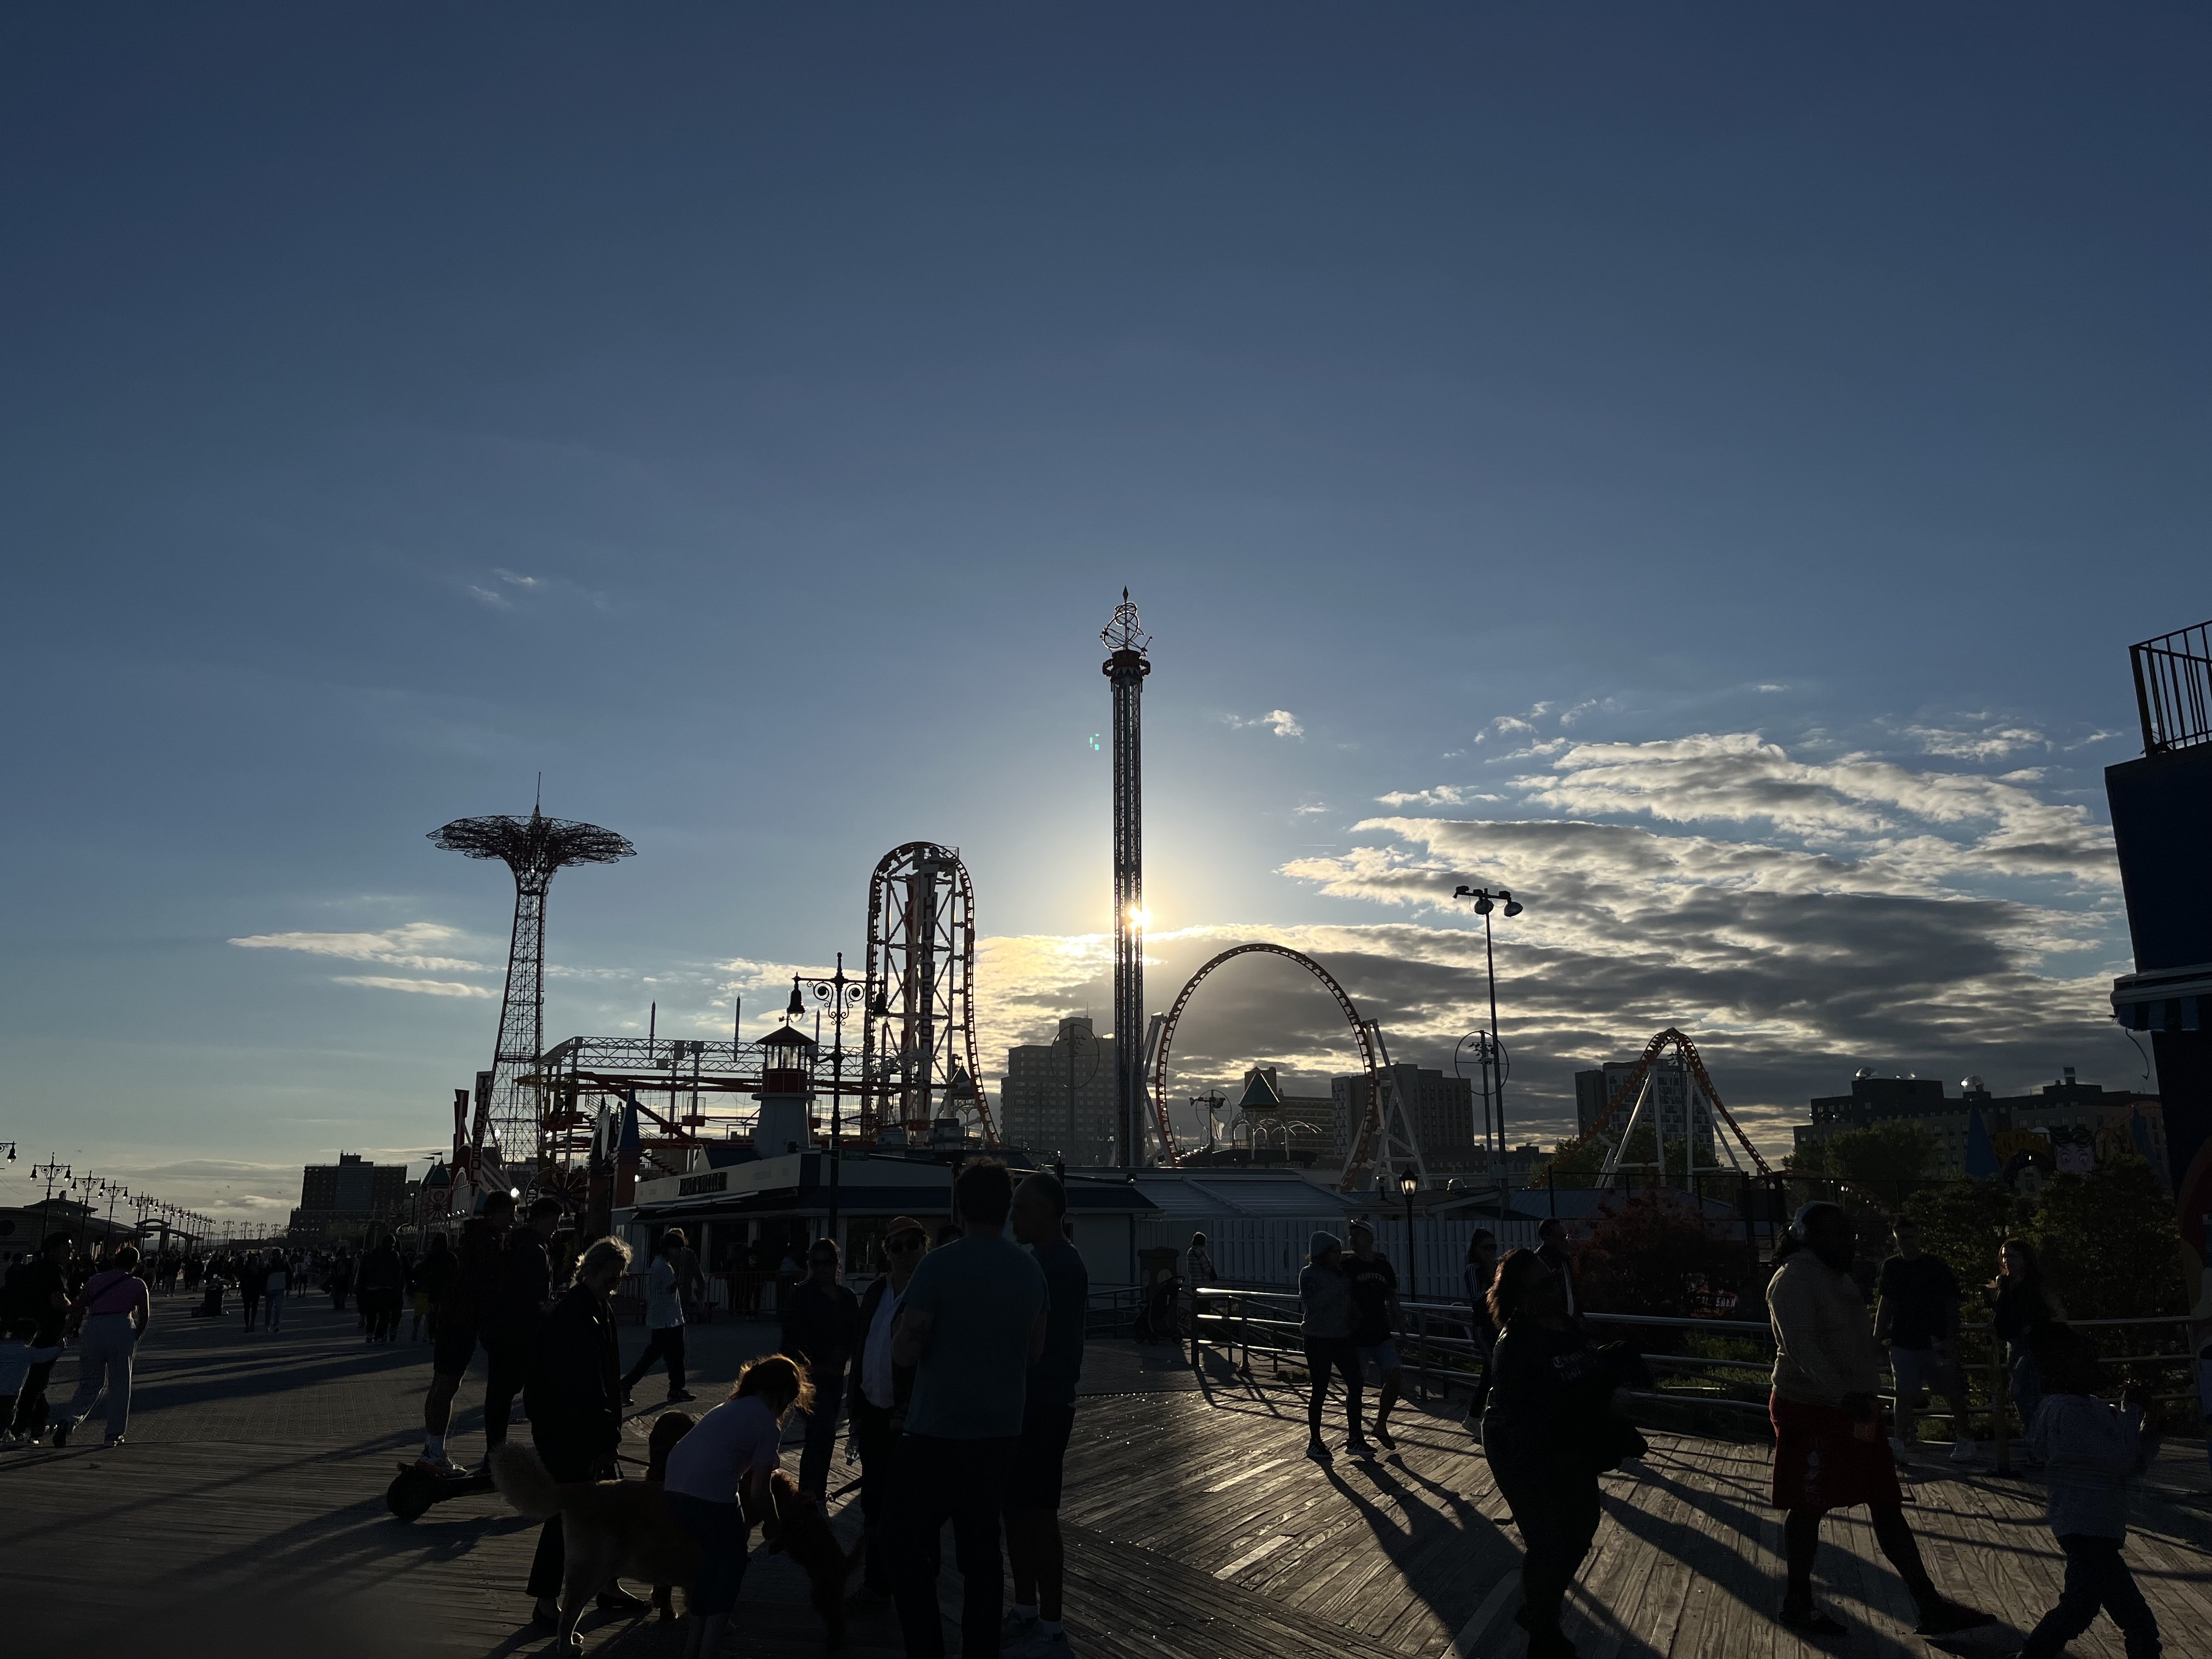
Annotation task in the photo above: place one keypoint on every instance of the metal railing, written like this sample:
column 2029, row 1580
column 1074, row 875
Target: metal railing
column 2173, row 688
column 1440, row 1353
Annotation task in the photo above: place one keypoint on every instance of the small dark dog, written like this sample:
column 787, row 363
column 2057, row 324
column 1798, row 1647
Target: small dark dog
column 668, row 1428
column 803, row 1533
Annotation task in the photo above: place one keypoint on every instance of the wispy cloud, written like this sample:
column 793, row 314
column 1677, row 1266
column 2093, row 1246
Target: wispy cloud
column 1280, row 722
column 413, row 944
column 430, row 987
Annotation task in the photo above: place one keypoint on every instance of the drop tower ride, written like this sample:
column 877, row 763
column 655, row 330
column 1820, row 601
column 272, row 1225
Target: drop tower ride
column 1125, row 667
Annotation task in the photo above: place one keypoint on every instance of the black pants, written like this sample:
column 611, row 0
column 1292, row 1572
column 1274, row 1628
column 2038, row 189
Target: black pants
column 667, row 1342
column 1557, row 1514
column 964, row 1481
column 564, row 1460
column 2096, row 1577
column 506, row 1364
column 31, row 1402
column 820, row 1430
column 871, row 1427
column 1323, row 1355
column 252, row 1307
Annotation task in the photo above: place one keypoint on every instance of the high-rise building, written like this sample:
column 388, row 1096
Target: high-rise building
column 350, row 1190
column 1670, row 1096
column 1440, row 1112
column 1058, row 1098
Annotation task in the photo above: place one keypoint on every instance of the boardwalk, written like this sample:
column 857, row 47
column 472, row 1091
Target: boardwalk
column 246, row 1517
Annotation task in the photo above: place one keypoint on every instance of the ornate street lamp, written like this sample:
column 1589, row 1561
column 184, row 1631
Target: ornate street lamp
column 838, row 996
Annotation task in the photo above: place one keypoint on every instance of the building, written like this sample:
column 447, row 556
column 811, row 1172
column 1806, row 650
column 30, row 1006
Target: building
column 2086, row 1113
column 1670, row 1095
column 1441, row 1114
column 350, row 1192
column 1056, row 1099
column 2160, row 804
column 1271, row 1126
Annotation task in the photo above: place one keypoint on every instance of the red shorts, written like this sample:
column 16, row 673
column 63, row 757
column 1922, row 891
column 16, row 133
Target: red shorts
column 1821, row 1463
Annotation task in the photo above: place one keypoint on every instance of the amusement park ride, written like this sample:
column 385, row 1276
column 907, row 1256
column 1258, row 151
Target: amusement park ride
column 545, row 1118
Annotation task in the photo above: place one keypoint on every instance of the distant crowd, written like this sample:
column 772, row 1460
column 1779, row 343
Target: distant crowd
column 953, row 1376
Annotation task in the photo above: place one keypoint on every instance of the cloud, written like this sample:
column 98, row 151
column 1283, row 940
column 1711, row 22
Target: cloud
column 413, row 944
column 435, row 988
column 1739, row 777
column 1990, row 743
column 485, row 596
column 1280, row 722
column 514, row 580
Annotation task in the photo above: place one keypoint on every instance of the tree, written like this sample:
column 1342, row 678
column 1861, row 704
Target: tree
column 2108, row 1241
column 1887, row 1158
column 1964, row 1223
column 1656, row 1255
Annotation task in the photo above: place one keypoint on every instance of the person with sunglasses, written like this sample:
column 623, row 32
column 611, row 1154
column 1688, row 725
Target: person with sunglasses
column 876, row 1404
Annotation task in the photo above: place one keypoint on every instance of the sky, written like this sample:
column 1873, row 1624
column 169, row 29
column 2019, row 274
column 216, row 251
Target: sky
column 1700, row 468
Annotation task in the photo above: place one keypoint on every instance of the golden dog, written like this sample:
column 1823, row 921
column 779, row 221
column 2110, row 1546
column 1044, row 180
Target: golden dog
column 609, row 1529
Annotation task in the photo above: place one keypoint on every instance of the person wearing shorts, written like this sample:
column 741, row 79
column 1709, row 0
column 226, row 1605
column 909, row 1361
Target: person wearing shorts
column 1374, row 1318
column 718, row 1486
column 1034, row 1547
column 1916, row 1312
column 478, row 1280
column 1829, row 1452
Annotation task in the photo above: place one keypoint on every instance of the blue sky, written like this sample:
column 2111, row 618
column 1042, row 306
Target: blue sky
column 1733, row 449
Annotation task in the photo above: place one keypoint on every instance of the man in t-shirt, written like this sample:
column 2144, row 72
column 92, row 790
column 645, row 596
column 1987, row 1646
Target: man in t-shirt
column 972, row 1323
column 821, row 1318
column 1033, row 1541
column 1374, row 1318
column 1916, row 1314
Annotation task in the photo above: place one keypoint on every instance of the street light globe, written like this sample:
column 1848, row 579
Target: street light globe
column 1483, row 906
column 1409, row 1183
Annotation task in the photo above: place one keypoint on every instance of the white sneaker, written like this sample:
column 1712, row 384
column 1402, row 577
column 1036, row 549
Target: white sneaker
column 1963, row 1450
column 1899, row 1449
column 1016, row 1627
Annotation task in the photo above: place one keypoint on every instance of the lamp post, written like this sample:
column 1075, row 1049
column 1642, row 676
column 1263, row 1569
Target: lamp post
column 1409, row 1183
column 49, row 1173
column 1486, row 901
column 839, row 996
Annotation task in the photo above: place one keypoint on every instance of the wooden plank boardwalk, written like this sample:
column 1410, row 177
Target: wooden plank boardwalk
column 244, row 1517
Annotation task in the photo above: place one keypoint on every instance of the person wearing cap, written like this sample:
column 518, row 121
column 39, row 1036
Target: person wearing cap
column 1325, row 1321
column 1829, row 1452
column 876, row 1404
column 1373, row 1321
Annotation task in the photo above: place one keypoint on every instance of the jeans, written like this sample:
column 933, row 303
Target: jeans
column 31, row 1402
column 1324, row 1354
column 871, row 1427
column 667, row 1341
column 252, row 1308
column 820, row 1430
column 1558, row 1515
column 963, row 1480
column 103, row 1357
column 2095, row 1577
column 722, row 1538
column 564, row 1460
column 276, row 1305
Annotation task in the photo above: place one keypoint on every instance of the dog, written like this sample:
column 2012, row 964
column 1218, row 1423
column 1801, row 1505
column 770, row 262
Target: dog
column 802, row 1532
column 668, row 1428
column 609, row 1529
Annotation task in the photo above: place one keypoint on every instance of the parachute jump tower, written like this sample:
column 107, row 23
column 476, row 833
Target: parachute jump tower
column 510, row 1117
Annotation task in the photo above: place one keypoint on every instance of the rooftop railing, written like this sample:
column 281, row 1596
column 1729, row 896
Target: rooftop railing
column 2173, row 689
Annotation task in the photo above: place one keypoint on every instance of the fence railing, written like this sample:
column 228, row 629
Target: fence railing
column 1441, row 1352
